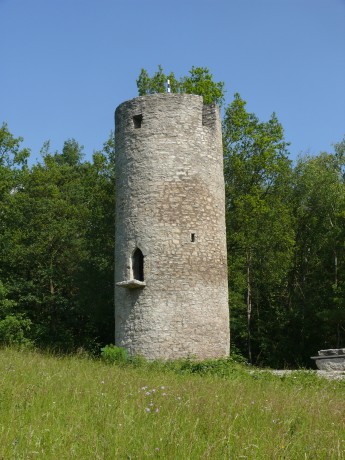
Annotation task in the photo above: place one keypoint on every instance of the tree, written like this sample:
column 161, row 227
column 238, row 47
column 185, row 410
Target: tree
column 10, row 152
column 14, row 325
column 259, row 227
column 318, row 276
column 57, row 247
column 199, row 81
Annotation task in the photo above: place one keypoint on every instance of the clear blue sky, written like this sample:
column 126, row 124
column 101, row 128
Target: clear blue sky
column 67, row 64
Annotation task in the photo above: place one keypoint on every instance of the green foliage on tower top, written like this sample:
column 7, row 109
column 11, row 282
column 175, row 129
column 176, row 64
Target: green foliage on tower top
column 199, row 81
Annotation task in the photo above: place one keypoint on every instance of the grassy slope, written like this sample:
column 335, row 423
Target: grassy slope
column 73, row 408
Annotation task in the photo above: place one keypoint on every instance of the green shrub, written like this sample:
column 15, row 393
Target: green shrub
column 236, row 356
column 137, row 361
column 13, row 329
column 221, row 367
column 114, row 355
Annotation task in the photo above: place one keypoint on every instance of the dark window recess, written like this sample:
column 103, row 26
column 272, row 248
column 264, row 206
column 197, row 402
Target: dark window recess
column 209, row 115
column 138, row 265
column 137, row 120
column 192, row 237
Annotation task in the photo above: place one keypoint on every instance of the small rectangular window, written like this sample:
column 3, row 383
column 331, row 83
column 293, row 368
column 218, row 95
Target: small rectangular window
column 137, row 120
column 138, row 265
column 192, row 237
column 209, row 115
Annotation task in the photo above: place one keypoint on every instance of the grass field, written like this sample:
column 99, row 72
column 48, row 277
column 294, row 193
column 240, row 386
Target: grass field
column 79, row 408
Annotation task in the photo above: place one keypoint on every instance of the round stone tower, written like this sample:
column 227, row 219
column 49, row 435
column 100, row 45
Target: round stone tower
column 171, row 294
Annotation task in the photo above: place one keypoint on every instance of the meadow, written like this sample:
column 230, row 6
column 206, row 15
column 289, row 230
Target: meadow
column 77, row 407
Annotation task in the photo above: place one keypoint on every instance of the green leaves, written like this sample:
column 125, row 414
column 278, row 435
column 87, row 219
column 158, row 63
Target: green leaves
column 157, row 83
column 56, row 246
column 10, row 152
column 14, row 326
column 286, row 242
column 199, row 81
column 260, row 234
column 319, row 270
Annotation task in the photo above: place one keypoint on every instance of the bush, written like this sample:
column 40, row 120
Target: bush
column 137, row 361
column 13, row 329
column 112, row 354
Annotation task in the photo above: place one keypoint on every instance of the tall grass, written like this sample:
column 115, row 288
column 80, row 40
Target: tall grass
column 78, row 408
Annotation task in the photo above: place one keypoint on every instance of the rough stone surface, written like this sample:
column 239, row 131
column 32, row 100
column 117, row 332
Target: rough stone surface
column 131, row 284
column 331, row 364
column 330, row 360
column 332, row 352
column 170, row 205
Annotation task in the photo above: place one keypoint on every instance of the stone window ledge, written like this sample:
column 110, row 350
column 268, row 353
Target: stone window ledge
column 131, row 284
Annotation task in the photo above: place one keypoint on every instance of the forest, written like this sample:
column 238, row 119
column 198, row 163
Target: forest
column 285, row 237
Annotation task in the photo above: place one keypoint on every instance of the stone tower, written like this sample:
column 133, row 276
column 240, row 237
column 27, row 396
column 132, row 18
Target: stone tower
column 171, row 295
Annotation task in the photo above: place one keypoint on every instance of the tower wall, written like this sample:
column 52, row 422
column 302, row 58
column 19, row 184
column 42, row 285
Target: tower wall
column 170, row 205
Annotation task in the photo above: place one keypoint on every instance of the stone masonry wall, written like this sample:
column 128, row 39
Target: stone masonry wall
column 170, row 205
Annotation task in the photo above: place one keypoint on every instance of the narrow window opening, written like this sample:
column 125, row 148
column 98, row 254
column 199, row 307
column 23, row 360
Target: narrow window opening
column 138, row 265
column 137, row 120
column 192, row 237
column 209, row 115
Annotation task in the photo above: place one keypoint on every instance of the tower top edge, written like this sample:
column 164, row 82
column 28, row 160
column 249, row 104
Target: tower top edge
column 162, row 97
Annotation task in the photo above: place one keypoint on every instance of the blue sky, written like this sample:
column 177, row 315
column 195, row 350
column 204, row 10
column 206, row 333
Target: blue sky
column 67, row 64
